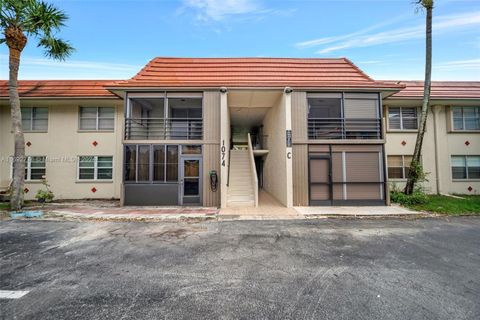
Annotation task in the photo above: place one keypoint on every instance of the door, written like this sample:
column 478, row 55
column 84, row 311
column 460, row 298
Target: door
column 320, row 190
column 191, row 181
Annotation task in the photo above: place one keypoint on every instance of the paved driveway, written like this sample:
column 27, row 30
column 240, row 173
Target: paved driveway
column 310, row 269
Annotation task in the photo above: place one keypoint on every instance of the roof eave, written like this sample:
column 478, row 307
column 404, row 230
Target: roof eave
column 63, row 97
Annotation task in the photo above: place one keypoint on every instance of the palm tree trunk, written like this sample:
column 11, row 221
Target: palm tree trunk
column 16, row 197
column 415, row 165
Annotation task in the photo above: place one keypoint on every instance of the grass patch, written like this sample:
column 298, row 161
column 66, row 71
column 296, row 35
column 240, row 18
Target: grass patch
column 4, row 206
column 468, row 205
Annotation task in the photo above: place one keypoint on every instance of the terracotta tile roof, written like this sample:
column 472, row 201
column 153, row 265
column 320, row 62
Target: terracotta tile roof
column 440, row 90
column 252, row 72
column 60, row 88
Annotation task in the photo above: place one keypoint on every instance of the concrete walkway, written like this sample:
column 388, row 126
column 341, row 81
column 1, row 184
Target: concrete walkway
column 393, row 210
column 269, row 209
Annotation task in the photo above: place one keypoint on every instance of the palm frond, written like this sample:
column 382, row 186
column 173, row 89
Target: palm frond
column 423, row 4
column 43, row 18
column 12, row 12
column 55, row 48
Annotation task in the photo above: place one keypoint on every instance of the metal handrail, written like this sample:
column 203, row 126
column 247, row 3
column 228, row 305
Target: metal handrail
column 253, row 169
column 344, row 128
column 163, row 128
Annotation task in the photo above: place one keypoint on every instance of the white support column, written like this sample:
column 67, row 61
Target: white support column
column 289, row 154
column 224, row 146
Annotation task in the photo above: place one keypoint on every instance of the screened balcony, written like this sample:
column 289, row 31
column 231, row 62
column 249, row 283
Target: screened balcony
column 164, row 118
column 342, row 116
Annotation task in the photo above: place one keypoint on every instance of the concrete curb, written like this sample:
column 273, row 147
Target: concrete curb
column 68, row 215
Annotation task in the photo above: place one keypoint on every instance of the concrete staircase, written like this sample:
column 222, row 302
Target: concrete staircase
column 240, row 187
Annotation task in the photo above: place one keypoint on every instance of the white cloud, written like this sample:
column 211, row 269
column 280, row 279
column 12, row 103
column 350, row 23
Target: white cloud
column 326, row 40
column 471, row 64
column 34, row 68
column 217, row 10
column 364, row 39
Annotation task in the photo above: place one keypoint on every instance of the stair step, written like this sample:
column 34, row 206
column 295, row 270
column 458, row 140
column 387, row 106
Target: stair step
column 240, row 192
column 241, row 203
column 240, row 198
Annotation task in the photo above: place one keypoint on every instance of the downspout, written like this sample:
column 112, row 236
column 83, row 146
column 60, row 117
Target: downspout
column 435, row 138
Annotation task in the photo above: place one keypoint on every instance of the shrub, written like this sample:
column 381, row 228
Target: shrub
column 45, row 195
column 417, row 197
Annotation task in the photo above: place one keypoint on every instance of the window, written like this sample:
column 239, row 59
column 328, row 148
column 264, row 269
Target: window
column 174, row 115
column 185, row 118
column 35, row 168
column 95, row 168
column 151, row 163
column 398, row 166
column 191, row 149
column 465, row 167
column 343, row 116
column 329, row 106
column 466, row 118
column 97, row 118
column 34, row 119
column 402, row 118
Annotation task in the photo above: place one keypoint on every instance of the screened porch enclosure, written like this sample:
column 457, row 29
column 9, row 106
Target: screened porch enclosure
column 164, row 117
column 346, row 175
column 162, row 174
column 344, row 116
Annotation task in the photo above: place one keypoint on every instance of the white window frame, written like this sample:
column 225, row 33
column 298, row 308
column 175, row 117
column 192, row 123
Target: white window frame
column 97, row 119
column 28, row 168
column 463, row 118
column 465, row 157
column 95, row 168
column 401, row 118
column 404, row 175
column 31, row 119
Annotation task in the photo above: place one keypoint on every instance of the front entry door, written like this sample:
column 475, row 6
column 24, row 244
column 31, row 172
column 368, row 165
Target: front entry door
column 320, row 180
column 191, row 181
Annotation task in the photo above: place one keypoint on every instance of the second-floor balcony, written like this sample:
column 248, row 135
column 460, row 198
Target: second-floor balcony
column 340, row 128
column 163, row 129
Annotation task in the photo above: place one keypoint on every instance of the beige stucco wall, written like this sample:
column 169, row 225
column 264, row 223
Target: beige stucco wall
column 448, row 143
column 224, row 155
column 211, row 146
column 277, row 171
column 62, row 144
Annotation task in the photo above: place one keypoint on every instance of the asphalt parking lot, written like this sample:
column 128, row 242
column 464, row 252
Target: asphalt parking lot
column 308, row 269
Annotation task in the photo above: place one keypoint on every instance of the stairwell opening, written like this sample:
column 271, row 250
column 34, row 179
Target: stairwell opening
column 253, row 118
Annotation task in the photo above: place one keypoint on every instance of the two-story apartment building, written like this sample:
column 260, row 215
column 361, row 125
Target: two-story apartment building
column 217, row 131
column 451, row 148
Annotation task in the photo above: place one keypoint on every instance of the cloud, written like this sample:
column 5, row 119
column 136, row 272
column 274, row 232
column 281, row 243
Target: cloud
column 216, row 10
column 326, row 40
column 365, row 39
column 34, row 68
column 471, row 64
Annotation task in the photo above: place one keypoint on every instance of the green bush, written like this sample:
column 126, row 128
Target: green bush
column 417, row 197
column 45, row 195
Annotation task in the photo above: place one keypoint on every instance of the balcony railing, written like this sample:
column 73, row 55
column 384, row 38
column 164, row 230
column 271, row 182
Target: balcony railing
column 339, row 128
column 259, row 142
column 163, row 129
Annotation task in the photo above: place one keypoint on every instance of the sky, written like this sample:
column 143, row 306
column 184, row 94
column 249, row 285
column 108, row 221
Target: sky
column 114, row 39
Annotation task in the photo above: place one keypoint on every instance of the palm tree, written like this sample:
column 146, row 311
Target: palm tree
column 416, row 170
column 20, row 20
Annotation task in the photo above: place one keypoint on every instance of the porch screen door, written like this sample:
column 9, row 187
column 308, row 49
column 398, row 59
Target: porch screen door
column 320, row 180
